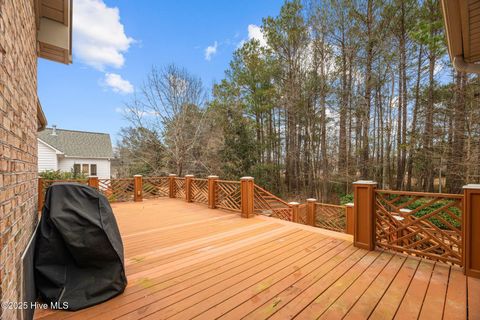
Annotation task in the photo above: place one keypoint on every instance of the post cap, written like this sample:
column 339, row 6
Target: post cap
column 349, row 204
column 364, row 182
column 246, row 178
column 189, row 176
column 293, row 203
column 172, row 175
column 472, row 186
column 311, row 200
column 137, row 175
column 212, row 177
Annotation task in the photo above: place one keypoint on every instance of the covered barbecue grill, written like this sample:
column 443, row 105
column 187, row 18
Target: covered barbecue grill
column 79, row 258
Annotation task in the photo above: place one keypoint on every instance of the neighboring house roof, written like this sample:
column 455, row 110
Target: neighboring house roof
column 79, row 144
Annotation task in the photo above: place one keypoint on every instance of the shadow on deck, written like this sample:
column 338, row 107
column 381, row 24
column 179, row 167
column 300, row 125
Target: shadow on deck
column 186, row 261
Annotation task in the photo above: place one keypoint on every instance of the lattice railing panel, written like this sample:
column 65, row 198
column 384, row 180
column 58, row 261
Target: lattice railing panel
column 179, row 188
column 302, row 214
column 228, row 195
column 426, row 225
column 117, row 189
column 154, row 187
column 331, row 217
column 199, row 190
column 268, row 204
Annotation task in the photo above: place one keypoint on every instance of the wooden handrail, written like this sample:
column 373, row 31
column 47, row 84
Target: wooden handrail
column 421, row 194
column 228, row 181
column 339, row 206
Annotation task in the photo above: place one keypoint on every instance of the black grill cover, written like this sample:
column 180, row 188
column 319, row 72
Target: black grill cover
column 79, row 252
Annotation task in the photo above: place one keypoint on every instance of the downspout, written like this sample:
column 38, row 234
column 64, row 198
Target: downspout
column 462, row 66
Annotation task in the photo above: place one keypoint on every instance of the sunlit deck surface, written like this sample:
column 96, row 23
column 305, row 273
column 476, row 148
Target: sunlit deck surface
column 186, row 261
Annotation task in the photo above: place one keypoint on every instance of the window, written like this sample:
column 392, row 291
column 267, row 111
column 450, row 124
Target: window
column 93, row 169
column 76, row 168
column 85, row 168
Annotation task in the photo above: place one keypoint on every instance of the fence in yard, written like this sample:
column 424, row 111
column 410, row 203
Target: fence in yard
column 440, row 227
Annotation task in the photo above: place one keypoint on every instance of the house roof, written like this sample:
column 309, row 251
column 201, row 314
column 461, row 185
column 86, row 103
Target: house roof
column 80, row 144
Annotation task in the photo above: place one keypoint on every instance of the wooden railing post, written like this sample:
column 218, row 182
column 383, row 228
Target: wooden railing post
column 364, row 214
column 41, row 192
column 188, row 187
column 93, row 182
column 350, row 224
column 295, row 206
column 247, row 189
column 471, row 230
column 137, row 188
column 311, row 211
column 212, row 186
column 171, row 185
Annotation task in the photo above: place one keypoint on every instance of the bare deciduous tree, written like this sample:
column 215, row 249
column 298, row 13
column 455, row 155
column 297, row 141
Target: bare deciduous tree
column 172, row 102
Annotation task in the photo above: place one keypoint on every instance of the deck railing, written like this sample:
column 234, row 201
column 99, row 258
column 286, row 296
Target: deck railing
column 228, row 195
column 154, row 187
column 441, row 227
column 199, row 190
column 421, row 224
column 330, row 216
column 437, row 226
column 268, row 204
column 215, row 193
column 117, row 190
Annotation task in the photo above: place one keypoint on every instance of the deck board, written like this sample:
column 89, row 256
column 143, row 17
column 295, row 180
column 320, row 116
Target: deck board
column 390, row 302
column 411, row 304
column 344, row 303
column 186, row 261
column 364, row 306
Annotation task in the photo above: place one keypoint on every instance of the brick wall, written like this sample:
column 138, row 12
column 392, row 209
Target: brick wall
column 18, row 153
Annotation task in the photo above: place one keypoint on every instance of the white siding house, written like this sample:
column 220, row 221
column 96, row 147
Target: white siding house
column 47, row 157
column 75, row 151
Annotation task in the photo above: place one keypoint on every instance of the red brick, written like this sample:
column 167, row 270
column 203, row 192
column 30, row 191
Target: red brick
column 18, row 159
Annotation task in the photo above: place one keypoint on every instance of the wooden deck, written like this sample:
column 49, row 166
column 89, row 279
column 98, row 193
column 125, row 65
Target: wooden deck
column 186, row 261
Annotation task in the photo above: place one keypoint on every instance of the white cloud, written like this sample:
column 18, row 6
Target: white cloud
column 210, row 51
column 255, row 32
column 118, row 84
column 99, row 36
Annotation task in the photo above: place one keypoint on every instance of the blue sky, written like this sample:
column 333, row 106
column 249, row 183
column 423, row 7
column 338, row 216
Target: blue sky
column 116, row 43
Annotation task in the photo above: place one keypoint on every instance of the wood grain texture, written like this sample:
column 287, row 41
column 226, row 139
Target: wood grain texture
column 185, row 261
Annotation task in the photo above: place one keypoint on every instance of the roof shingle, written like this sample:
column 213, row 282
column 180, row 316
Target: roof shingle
column 80, row 144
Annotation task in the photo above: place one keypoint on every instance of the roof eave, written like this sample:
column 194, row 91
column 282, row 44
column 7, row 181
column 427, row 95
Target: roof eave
column 51, row 147
column 86, row 157
column 455, row 17
column 41, row 119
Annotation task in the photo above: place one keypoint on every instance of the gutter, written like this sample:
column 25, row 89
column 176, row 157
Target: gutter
column 41, row 119
column 462, row 66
